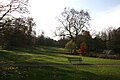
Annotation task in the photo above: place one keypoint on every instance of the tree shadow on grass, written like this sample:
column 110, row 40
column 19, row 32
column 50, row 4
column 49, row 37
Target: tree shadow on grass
column 51, row 73
column 46, row 73
column 37, row 50
column 17, row 57
column 49, row 51
column 12, row 57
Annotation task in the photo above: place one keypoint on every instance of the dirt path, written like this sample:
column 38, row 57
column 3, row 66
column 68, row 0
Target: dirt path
column 39, row 65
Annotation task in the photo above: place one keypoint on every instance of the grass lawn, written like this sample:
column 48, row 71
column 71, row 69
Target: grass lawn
column 50, row 55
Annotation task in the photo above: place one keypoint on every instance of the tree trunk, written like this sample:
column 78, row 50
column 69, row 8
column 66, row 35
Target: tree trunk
column 75, row 46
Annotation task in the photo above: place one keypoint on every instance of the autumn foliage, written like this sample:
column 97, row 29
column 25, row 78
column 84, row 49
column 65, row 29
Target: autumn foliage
column 83, row 48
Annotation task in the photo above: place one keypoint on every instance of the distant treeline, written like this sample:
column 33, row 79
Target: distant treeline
column 20, row 32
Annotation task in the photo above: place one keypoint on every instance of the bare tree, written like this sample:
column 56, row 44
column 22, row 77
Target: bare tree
column 13, row 6
column 72, row 23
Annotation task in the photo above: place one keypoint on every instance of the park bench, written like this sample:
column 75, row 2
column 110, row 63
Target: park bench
column 75, row 60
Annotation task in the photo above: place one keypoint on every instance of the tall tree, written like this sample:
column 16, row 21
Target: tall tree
column 106, row 35
column 114, row 42
column 72, row 23
column 86, row 38
column 6, row 8
column 98, row 44
column 70, row 45
column 17, row 32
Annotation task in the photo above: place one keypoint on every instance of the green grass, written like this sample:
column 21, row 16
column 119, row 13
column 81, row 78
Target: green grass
column 51, row 55
column 62, row 73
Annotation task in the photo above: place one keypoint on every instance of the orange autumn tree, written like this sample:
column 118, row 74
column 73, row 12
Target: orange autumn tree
column 83, row 48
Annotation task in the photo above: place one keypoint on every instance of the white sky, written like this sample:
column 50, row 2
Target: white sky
column 108, row 18
column 45, row 13
column 103, row 14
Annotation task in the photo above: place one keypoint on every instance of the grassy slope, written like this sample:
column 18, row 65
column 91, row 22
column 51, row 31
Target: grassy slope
column 49, row 55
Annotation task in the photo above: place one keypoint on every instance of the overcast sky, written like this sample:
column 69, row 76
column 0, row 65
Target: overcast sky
column 104, row 13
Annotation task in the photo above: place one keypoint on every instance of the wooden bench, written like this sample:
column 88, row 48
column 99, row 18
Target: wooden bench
column 75, row 60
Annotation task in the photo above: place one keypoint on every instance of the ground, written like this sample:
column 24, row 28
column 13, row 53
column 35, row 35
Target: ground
column 49, row 63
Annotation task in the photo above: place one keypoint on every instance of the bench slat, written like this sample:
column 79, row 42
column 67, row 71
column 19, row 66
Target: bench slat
column 75, row 60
